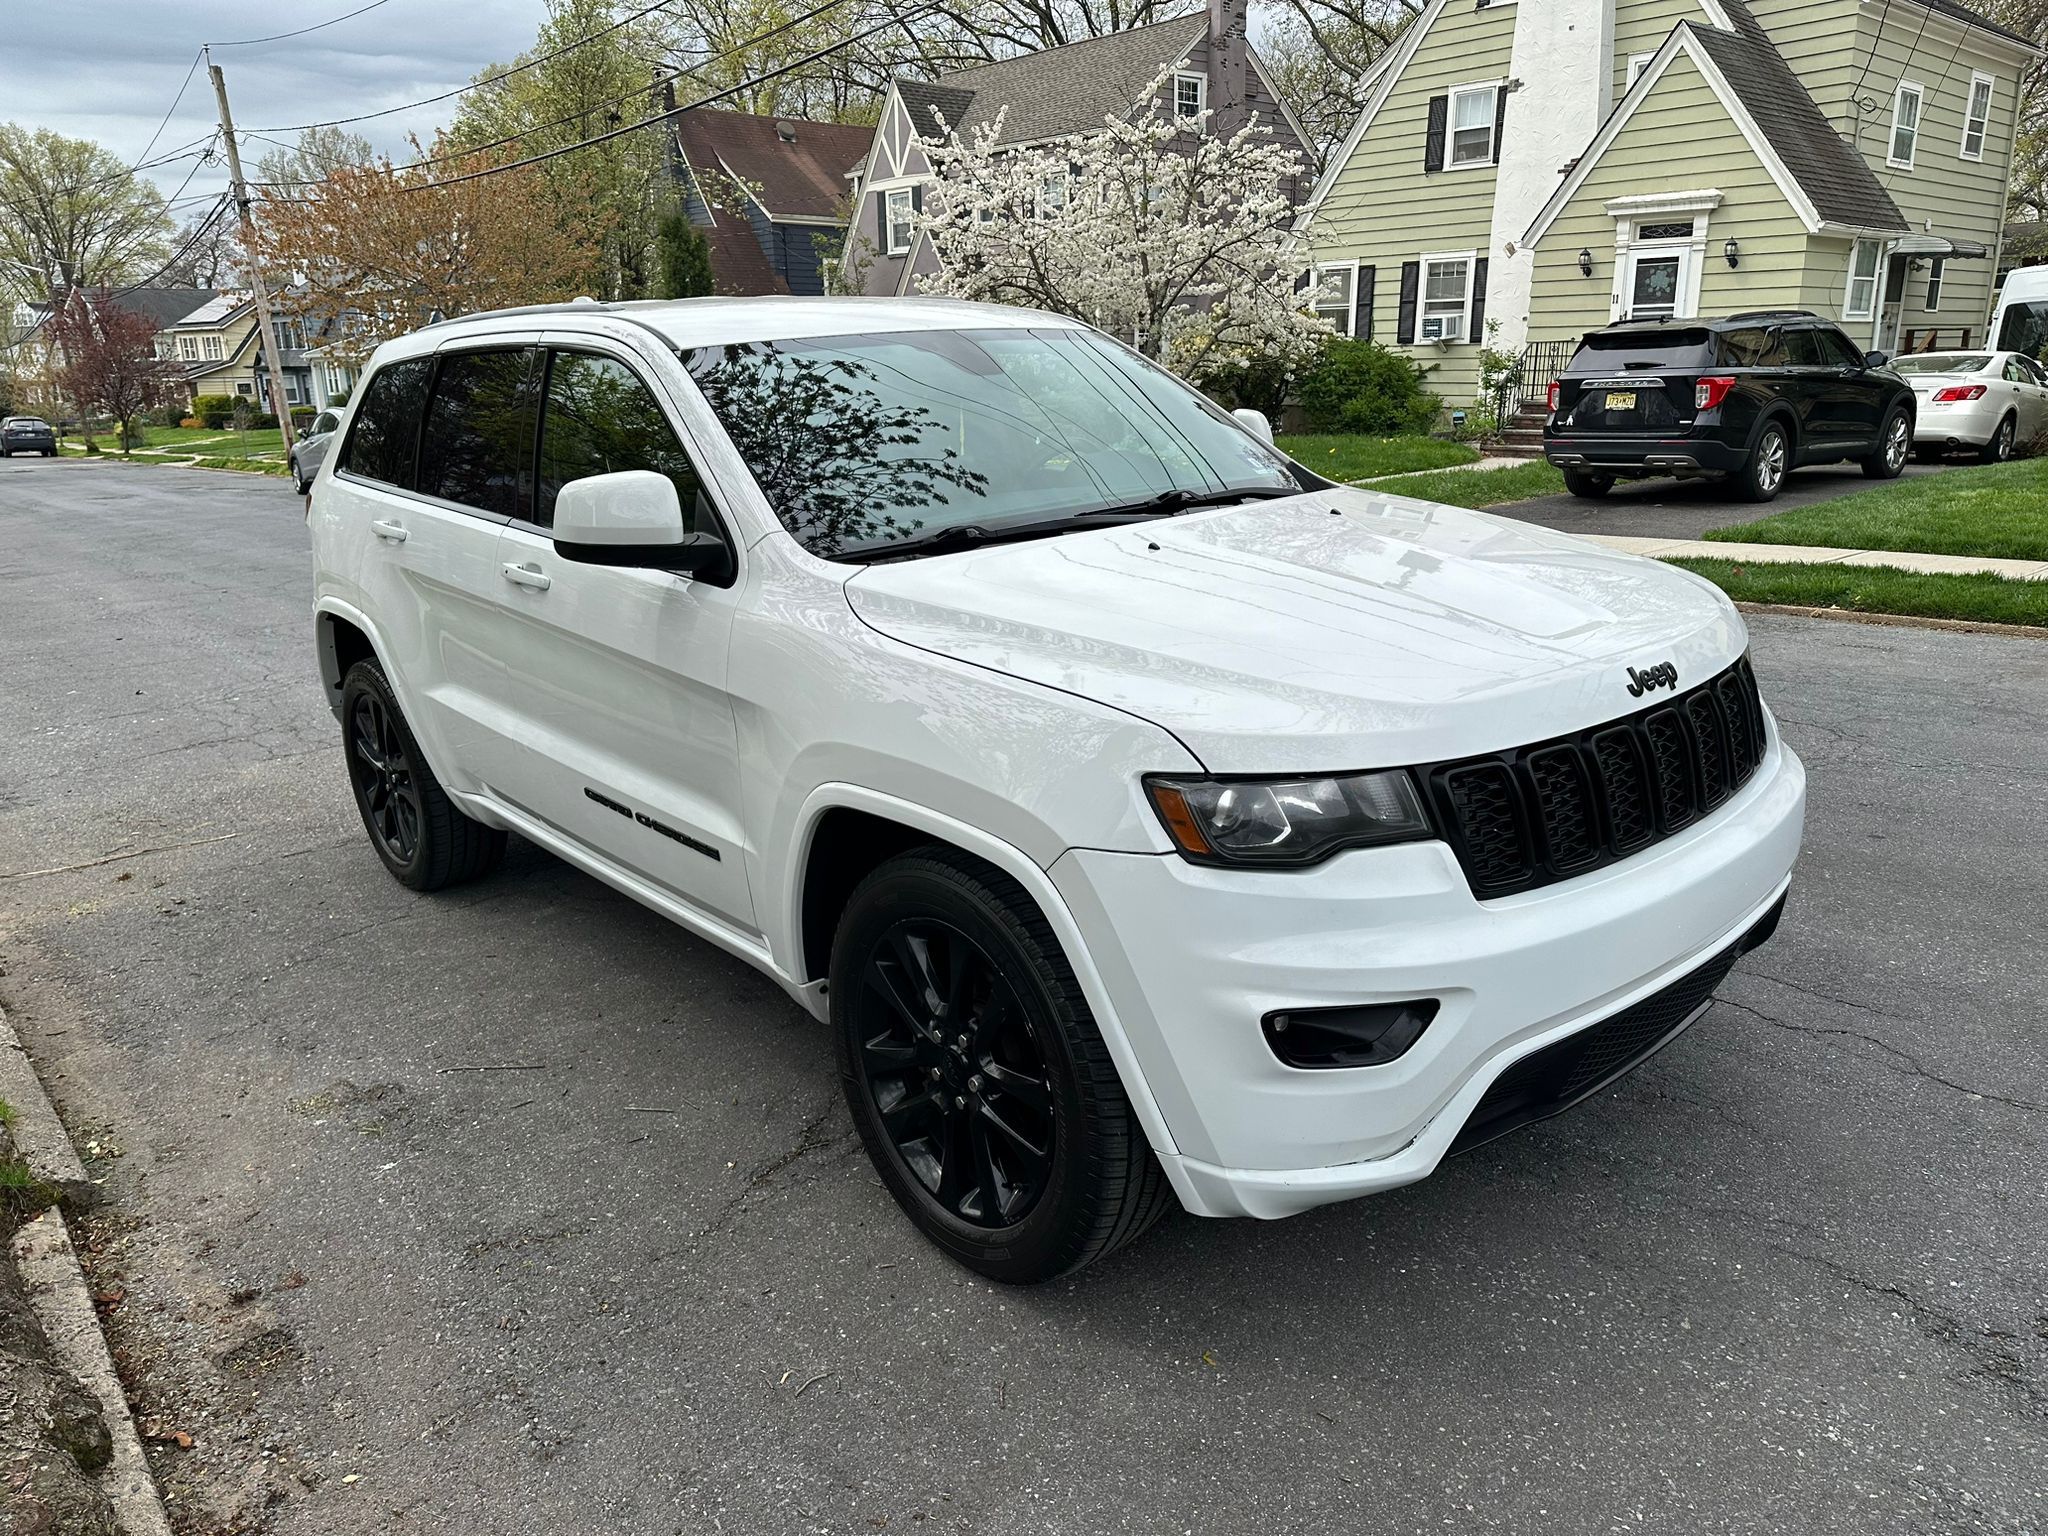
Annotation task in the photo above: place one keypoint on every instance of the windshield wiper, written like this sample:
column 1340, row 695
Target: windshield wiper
column 972, row 535
column 1166, row 503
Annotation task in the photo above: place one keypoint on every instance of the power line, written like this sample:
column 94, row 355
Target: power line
column 476, row 85
column 639, row 90
column 213, row 218
column 278, row 37
column 160, row 127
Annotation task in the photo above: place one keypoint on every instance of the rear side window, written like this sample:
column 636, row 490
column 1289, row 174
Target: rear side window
column 387, row 424
column 1752, row 347
column 477, row 445
column 600, row 418
column 1629, row 351
column 1836, row 351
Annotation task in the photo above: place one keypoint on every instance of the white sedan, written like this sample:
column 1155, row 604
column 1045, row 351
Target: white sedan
column 1986, row 402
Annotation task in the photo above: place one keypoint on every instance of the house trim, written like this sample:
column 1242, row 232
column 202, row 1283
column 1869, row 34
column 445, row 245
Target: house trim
column 1403, row 54
column 1631, row 212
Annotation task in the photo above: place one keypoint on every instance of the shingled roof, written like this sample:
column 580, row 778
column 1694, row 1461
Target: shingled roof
column 1970, row 18
column 796, row 168
column 1058, row 91
column 1836, row 179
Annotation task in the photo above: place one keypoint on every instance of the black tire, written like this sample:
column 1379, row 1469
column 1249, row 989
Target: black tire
column 1062, row 1173
column 1770, row 460
column 1894, row 447
column 1927, row 455
column 300, row 483
column 1586, row 484
column 422, row 838
column 1999, row 449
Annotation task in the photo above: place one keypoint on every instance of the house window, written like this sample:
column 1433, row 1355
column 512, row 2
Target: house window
column 1637, row 63
column 213, row 348
column 166, row 347
column 1190, row 96
column 1336, row 296
column 1446, row 297
column 188, row 348
column 1052, row 194
column 1905, row 125
column 1472, row 110
column 896, row 221
column 291, row 336
column 1861, row 302
column 1977, row 118
column 1934, row 274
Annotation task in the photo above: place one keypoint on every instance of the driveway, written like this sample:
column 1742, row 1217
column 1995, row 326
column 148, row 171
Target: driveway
column 1686, row 509
column 516, row 1209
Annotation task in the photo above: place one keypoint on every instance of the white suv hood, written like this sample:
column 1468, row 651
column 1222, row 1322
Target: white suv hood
column 1334, row 630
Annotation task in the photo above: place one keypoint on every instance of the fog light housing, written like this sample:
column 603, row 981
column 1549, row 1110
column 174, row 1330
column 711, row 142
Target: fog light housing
column 1362, row 1035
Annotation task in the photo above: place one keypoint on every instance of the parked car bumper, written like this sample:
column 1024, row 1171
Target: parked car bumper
column 1193, row 958
column 1645, row 455
column 1969, row 423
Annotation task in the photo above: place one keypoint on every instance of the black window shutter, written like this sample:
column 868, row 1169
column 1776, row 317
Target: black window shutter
column 917, row 198
column 1411, row 287
column 1500, row 118
column 1479, row 300
column 1364, row 327
column 1433, row 139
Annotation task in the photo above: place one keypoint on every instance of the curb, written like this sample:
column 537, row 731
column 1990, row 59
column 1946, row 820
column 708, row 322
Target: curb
column 1900, row 620
column 57, row 1291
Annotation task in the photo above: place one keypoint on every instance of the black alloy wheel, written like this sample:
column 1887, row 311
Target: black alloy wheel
column 956, row 1073
column 383, row 773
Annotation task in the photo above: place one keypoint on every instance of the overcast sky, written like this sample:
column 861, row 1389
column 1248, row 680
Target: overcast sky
column 107, row 69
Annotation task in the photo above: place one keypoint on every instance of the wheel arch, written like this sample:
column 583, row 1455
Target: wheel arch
column 343, row 636
column 846, row 830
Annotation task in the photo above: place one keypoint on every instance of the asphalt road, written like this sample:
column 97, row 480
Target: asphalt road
column 1787, row 1278
column 1686, row 509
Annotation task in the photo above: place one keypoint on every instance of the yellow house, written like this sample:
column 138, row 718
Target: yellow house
column 217, row 346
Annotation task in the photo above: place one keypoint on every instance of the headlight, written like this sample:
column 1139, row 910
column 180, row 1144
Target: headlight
column 1287, row 821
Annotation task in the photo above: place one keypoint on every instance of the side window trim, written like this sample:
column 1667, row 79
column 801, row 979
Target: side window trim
column 341, row 469
column 531, row 345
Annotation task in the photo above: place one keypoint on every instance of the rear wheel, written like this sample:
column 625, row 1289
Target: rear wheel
column 1584, row 483
column 1999, row 449
column 1894, row 445
column 299, row 482
column 976, row 1076
column 422, row 838
column 1764, row 475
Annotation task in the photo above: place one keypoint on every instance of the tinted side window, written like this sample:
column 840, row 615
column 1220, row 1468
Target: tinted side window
column 1753, row 347
column 1803, row 348
column 600, row 418
column 1835, row 350
column 477, row 446
column 387, row 424
column 326, row 421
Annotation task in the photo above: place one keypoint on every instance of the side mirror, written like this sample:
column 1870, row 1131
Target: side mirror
column 633, row 517
column 1255, row 423
column 1876, row 359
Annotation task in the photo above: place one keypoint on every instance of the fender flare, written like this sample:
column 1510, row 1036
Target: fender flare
column 1037, row 884
column 328, row 607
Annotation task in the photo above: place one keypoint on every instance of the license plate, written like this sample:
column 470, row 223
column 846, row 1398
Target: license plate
column 1621, row 400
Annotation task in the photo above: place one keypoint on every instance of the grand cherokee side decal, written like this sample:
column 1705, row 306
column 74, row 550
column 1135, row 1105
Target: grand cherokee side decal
column 652, row 825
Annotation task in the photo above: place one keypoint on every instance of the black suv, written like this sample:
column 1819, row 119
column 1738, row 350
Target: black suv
column 1749, row 398
column 27, row 434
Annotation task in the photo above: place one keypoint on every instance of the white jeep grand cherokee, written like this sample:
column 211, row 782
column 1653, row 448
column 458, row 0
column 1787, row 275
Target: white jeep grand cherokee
column 1152, row 820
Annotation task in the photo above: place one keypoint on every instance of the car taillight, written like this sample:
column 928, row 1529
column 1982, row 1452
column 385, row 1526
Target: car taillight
column 1956, row 392
column 1711, row 391
column 1556, row 389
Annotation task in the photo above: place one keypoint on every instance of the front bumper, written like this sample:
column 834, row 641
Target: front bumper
column 1192, row 958
column 1644, row 455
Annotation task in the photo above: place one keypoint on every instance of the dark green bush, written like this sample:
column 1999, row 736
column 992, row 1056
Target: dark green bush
column 1360, row 386
column 215, row 411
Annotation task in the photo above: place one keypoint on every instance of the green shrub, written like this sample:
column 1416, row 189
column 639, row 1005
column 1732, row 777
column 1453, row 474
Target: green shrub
column 1360, row 386
column 301, row 414
column 339, row 397
column 215, row 411
column 168, row 414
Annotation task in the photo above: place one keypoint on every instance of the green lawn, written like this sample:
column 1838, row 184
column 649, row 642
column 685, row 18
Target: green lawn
column 1879, row 589
column 1350, row 456
column 1998, row 510
column 1479, row 487
column 195, row 440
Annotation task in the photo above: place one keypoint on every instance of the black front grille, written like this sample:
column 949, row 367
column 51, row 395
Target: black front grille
column 1537, row 814
column 1559, row 1075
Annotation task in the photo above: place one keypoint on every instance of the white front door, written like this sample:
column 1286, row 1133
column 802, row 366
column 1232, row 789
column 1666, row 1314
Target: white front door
column 1655, row 281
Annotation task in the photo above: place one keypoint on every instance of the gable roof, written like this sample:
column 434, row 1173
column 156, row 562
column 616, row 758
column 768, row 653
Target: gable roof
column 1970, row 18
column 1057, row 91
column 162, row 307
column 739, row 266
column 213, row 313
column 795, row 168
column 1384, row 74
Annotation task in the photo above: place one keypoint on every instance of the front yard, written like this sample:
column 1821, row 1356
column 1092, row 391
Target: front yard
column 1998, row 511
column 187, row 442
column 1353, row 456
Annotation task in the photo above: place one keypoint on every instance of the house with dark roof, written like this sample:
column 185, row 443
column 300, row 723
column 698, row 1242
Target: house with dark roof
column 770, row 195
column 1205, row 58
column 219, row 347
column 1523, row 173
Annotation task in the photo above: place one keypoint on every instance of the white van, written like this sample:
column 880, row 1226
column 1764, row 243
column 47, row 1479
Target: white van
column 2020, row 322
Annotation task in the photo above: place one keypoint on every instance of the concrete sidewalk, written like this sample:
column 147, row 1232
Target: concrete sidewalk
column 1814, row 554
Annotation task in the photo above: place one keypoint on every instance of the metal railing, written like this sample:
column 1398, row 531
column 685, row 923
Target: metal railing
column 1529, row 379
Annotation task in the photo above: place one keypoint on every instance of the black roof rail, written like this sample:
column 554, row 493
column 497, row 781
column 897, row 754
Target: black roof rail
column 1774, row 314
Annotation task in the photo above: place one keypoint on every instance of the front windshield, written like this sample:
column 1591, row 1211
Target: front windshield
column 861, row 442
column 1946, row 362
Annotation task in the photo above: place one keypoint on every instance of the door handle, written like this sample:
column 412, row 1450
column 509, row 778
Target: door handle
column 393, row 533
column 528, row 575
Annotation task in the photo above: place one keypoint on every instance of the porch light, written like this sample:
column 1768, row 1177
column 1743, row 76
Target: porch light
column 1731, row 250
column 1585, row 262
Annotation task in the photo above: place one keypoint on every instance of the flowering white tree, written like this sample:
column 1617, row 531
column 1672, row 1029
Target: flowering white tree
column 1177, row 242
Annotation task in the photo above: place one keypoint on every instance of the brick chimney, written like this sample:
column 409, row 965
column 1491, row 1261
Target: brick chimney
column 1227, row 49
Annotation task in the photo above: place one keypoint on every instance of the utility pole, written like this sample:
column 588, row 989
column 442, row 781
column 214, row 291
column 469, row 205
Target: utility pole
column 279, row 406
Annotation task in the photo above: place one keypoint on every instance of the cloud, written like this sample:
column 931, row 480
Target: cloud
column 108, row 70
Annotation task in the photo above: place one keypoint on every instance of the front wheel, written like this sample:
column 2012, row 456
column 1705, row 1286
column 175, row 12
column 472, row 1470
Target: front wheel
column 1587, row 484
column 422, row 838
column 1999, row 449
column 1764, row 475
column 977, row 1077
column 300, row 483
column 1894, row 445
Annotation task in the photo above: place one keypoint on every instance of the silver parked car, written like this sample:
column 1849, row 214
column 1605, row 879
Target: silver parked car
column 1985, row 402
column 310, row 451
